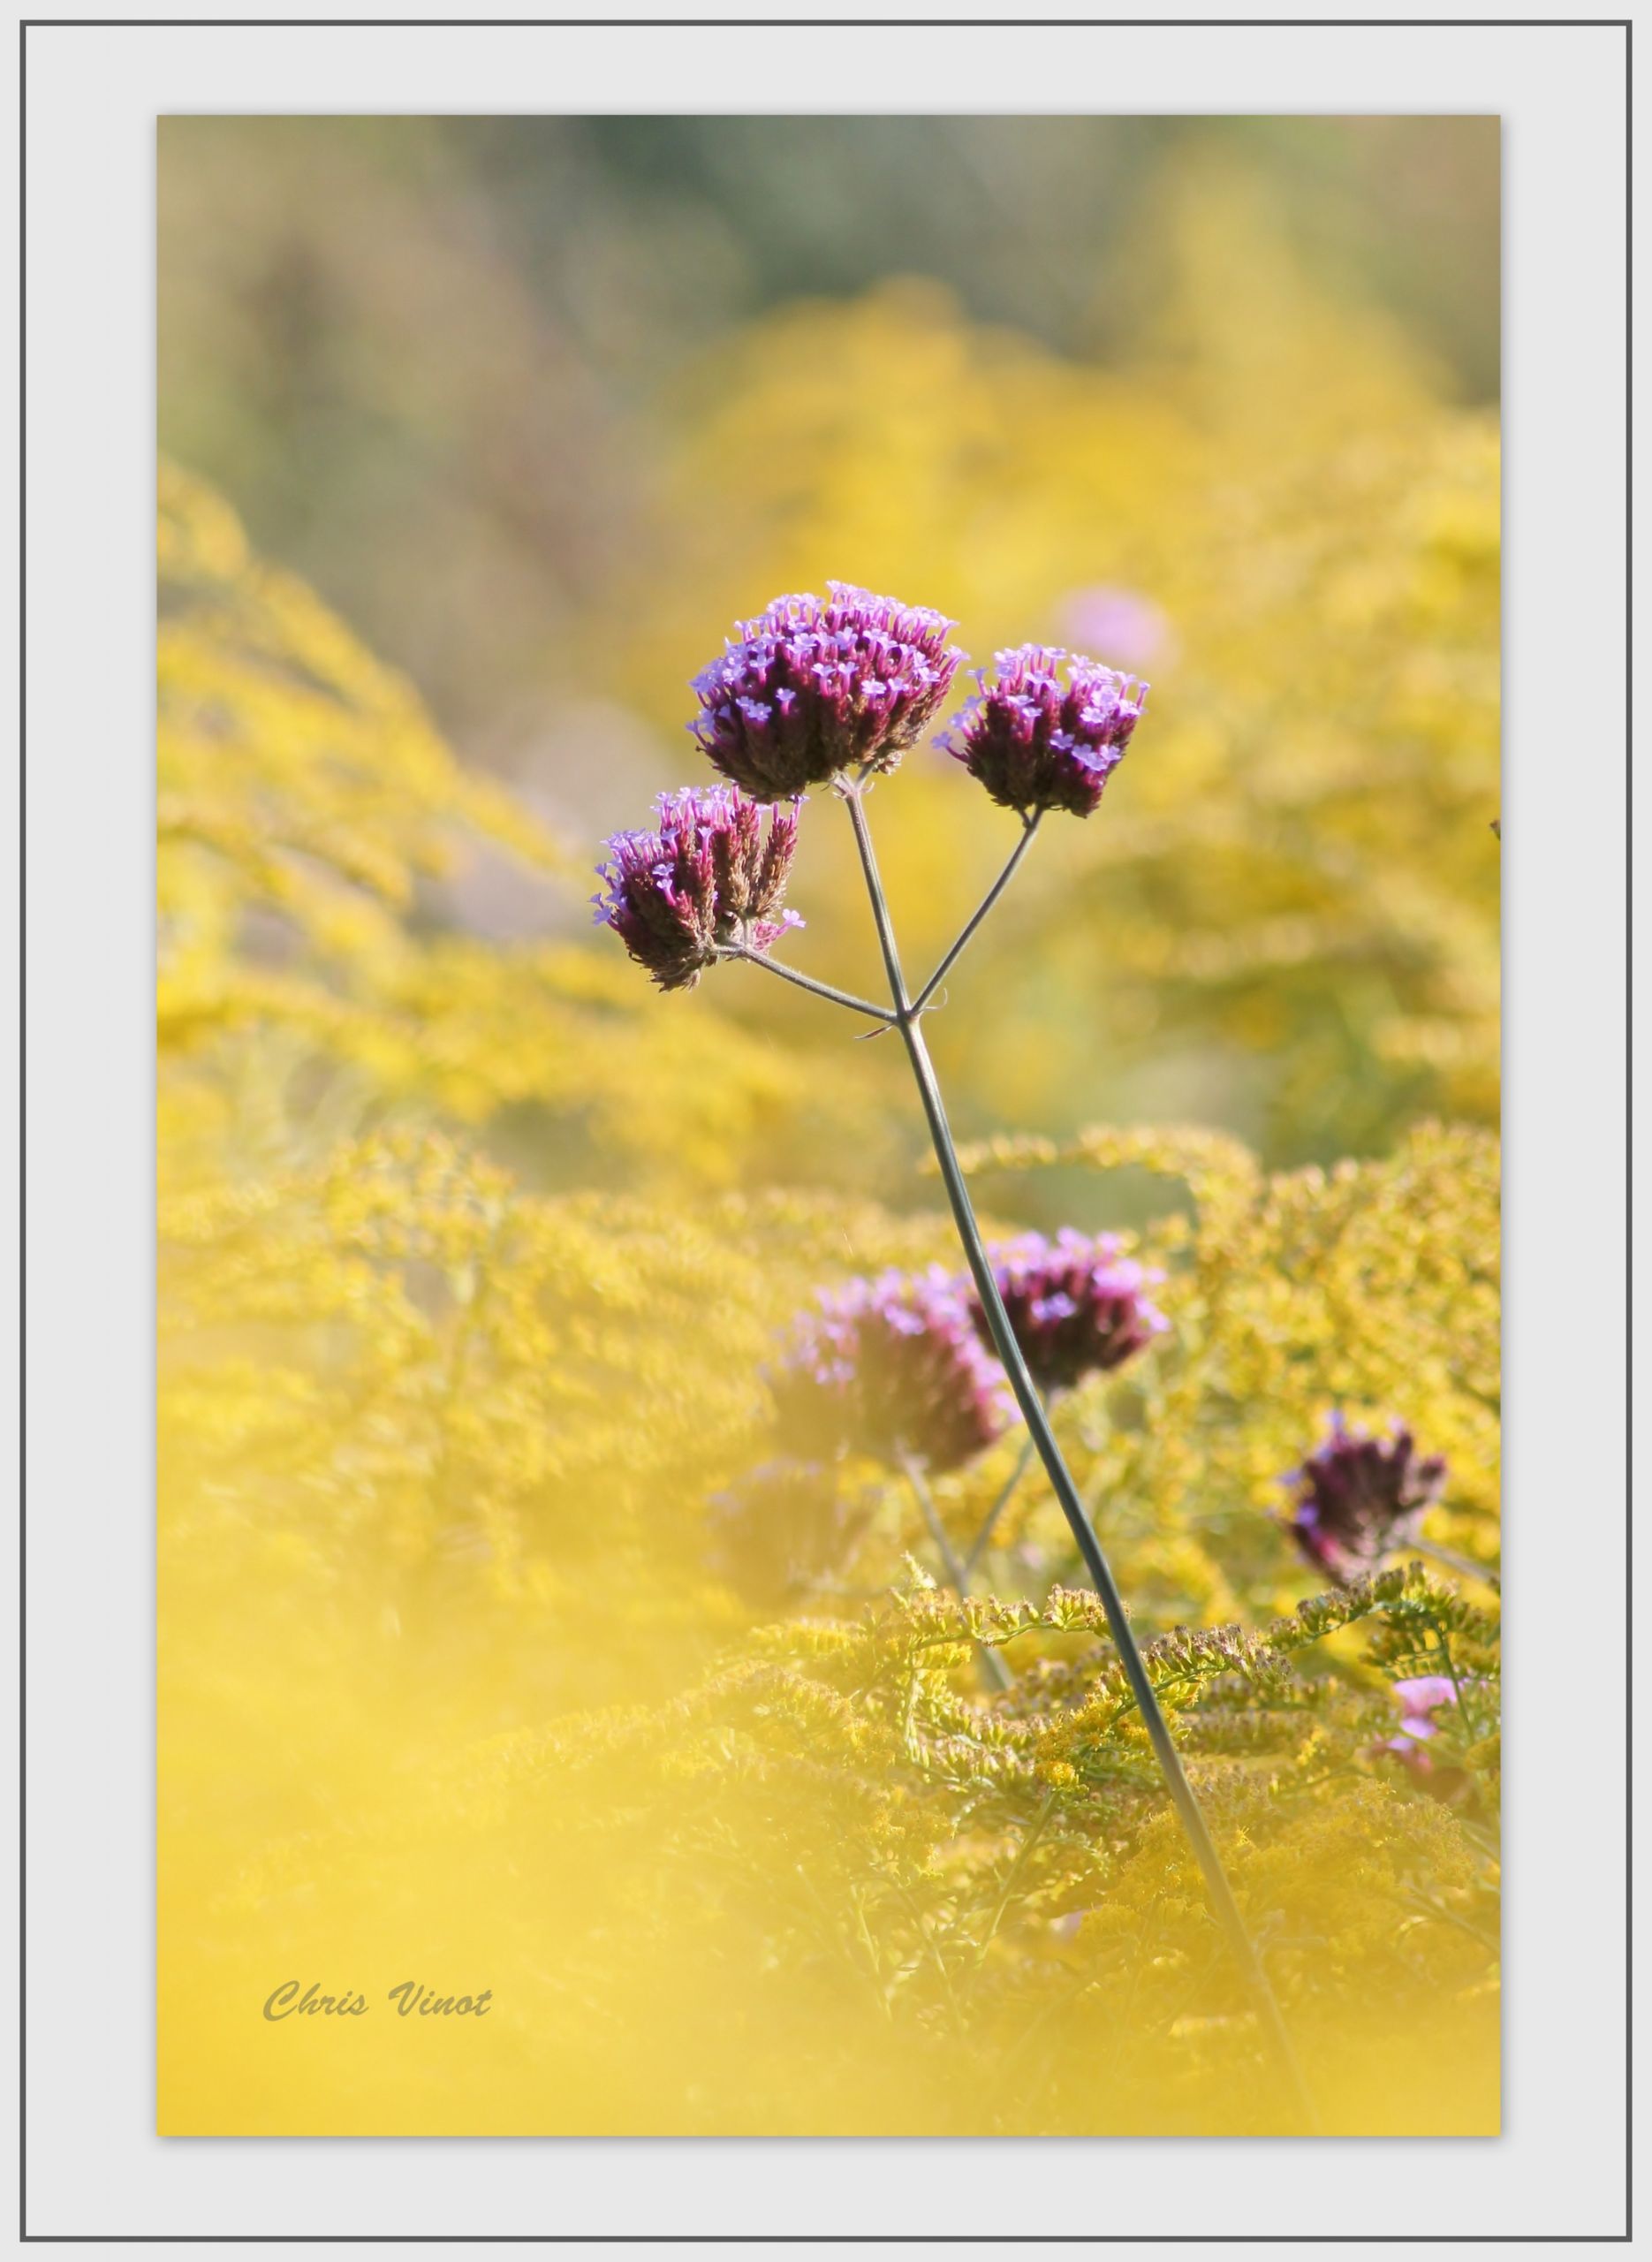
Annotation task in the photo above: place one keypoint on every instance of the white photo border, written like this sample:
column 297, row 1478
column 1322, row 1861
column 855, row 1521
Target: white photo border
column 96, row 2169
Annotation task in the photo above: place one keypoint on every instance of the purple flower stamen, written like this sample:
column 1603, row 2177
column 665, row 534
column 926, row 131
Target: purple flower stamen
column 710, row 879
column 1037, row 742
column 811, row 690
column 1359, row 1497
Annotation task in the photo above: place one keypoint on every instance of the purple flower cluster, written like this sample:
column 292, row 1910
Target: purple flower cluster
column 810, row 690
column 891, row 1367
column 814, row 691
column 709, row 878
column 1359, row 1497
column 1076, row 1307
column 1037, row 742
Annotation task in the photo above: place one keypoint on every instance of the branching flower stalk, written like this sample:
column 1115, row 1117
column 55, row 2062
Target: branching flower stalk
column 1029, row 827
column 1220, row 1893
column 831, row 692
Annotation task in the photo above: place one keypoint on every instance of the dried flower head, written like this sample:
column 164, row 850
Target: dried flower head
column 1037, row 742
column 1077, row 1306
column 892, row 1367
column 810, row 690
column 710, row 876
column 1359, row 1497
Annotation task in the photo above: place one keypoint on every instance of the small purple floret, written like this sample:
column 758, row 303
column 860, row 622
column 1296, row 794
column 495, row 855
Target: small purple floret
column 1078, row 1308
column 709, row 878
column 811, row 690
column 1359, row 1497
column 891, row 1367
column 1036, row 741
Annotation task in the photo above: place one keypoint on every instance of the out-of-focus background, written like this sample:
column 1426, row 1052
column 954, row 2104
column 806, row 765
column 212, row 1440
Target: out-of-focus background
column 541, row 405
column 489, row 1657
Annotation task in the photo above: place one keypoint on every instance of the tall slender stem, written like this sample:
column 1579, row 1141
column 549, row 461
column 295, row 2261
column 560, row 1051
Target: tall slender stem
column 1217, row 1888
column 1029, row 826
column 991, row 1664
column 807, row 981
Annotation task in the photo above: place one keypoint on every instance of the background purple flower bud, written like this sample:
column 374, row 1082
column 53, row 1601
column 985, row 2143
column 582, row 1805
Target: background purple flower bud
column 810, row 689
column 1036, row 741
column 1418, row 1699
column 1359, row 1497
column 1077, row 1306
column 892, row 1367
column 709, row 876
column 1130, row 627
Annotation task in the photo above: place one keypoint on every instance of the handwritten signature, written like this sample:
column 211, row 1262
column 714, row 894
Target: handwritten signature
column 411, row 2000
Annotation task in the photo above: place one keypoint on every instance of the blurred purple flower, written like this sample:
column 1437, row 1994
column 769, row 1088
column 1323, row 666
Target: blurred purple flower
column 892, row 1367
column 1417, row 1701
column 1076, row 1305
column 1359, row 1497
column 710, row 876
column 778, row 1530
column 809, row 690
column 1130, row 628
column 1036, row 742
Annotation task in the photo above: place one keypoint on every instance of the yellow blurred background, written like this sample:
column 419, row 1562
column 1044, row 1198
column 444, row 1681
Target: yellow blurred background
column 477, row 435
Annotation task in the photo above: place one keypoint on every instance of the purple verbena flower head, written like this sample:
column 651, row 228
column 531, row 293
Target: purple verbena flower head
column 1037, row 741
column 1078, row 1308
column 809, row 690
column 711, row 876
column 1359, row 1497
column 892, row 1367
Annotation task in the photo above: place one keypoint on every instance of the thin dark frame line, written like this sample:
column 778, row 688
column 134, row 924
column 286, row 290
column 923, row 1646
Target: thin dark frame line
column 22, row 1211
column 1629, row 1111
column 827, row 23
column 1518, row 22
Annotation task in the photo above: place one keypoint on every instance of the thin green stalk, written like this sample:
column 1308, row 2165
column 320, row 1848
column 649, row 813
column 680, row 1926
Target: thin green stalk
column 991, row 1664
column 978, row 1546
column 807, row 981
column 1024, row 1854
column 1029, row 826
column 1220, row 1893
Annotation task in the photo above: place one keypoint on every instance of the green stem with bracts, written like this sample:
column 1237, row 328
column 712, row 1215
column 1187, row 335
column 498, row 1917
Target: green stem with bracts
column 1217, row 1888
